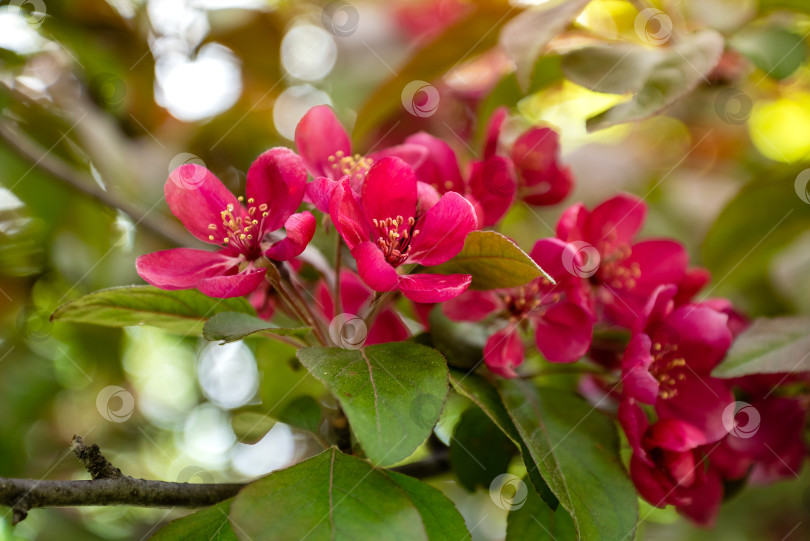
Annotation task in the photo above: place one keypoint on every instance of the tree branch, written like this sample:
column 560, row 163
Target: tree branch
column 108, row 487
column 58, row 169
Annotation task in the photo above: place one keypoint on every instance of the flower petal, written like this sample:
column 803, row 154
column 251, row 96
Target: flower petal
column 234, row 285
column 493, row 184
column 615, row 222
column 442, row 230
column 564, row 333
column 494, row 131
column 546, row 187
column 433, row 287
column 319, row 192
column 347, row 215
column 300, row 230
column 318, row 136
column 413, row 155
column 674, row 435
column 702, row 335
column 637, row 382
column 389, row 191
column 471, row 306
column 372, row 267
column 536, row 157
column 699, row 401
column 440, row 167
column 659, row 262
column 503, row 352
column 388, row 327
column 197, row 197
column 276, row 178
column 182, row 268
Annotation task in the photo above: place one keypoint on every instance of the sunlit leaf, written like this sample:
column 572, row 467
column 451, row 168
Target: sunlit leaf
column 776, row 51
column 494, row 262
column 210, row 523
column 182, row 312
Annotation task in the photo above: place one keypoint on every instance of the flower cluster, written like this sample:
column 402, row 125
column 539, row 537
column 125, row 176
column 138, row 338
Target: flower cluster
column 401, row 210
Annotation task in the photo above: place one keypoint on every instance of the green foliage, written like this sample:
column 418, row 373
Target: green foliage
column 336, row 496
column 181, row 312
column 210, row 523
column 233, row 326
column 776, row 51
column 494, row 262
column 536, row 520
column 391, row 393
column 576, row 450
column 769, row 346
column 461, row 343
column 479, row 450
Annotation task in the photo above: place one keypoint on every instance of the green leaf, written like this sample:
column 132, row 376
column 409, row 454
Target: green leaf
column 251, row 426
column 461, row 343
column 473, row 34
column 800, row 6
column 576, row 450
column 181, row 312
column 210, row 523
column 494, row 262
column 614, row 69
column 524, row 37
column 753, row 227
column 233, row 326
column 769, row 346
column 485, row 396
column 331, row 496
column 303, row 412
column 479, row 450
column 773, row 49
column 535, row 520
column 440, row 517
column 679, row 71
column 392, row 393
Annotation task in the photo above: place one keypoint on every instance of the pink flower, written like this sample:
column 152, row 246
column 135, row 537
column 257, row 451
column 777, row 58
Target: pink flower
column 669, row 361
column 355, row 298
column 246, row 233
column 667, row 465
column 543, row 180
column 490, row 185
column 562, row 328
column 388, row 228
column 326, row 149
column 628, row 272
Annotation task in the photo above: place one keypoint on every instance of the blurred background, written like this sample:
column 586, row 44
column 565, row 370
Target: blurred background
column 99, row 100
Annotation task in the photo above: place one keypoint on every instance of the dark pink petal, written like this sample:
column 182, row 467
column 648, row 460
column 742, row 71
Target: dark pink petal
column 262, row 301
column 433, row 287
column 703, row 337
column 197, row 198
column 493, row 184
column 471, row 306
column 564, row 333
column 440, row 167
column 653, row 484
column 786, row 465
column 634, row 422
column 766, row 429
column 503, row 352
column 387, row 328
column 674, row 435
column 702, row 500
column 372, row 267
column 494, row 131
column 426, row 197
column 699, row 401
column 552, row 255
column 347, row 216
column 354, row 294
column 300, row 230
column 234, row 285
column 729, row 463
column 442, row 230
column 277, row 178
column 389, row 191
column 182, row 268
column 546, row 187
column 413, row 155
column 657, row 308
column 659, row 262
column 573, row 222
column 679, row 466
column 637, row 381
column 615, row 222
column 319, row 192
column 318, row 136
column 694, row 280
